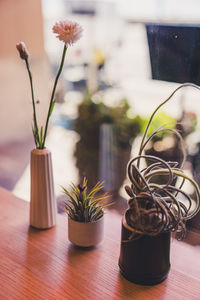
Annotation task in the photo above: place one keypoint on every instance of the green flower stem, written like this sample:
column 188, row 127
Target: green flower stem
column 53, row 94
column 155, row 111
column 36, row 136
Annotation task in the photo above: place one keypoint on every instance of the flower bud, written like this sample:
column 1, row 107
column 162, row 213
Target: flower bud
column 23, row 52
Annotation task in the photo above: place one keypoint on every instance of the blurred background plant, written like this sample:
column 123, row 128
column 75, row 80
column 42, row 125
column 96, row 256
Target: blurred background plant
column 91, row 117
column 167, row 145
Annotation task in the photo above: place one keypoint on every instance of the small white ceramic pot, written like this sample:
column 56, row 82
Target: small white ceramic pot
column 85, row 234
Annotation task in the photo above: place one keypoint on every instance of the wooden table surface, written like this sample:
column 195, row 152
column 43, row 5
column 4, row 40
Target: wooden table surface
column 38, row 264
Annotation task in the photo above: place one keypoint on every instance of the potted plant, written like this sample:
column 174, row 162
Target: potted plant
column 43, row 207
column 85, row 214
column 154, row 211
column 93, row 117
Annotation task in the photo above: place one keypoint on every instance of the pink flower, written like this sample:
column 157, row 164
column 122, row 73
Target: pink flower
column 68, row 32
column 23, row 52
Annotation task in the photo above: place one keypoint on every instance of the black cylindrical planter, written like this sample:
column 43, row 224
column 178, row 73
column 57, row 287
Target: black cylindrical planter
column 145, row 260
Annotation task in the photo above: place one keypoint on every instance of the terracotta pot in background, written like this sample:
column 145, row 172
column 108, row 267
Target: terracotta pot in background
column 43, row 208
column 85, row 234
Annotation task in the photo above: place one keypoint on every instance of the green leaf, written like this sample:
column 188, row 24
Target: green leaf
column 72, row 199
column 81, row 206
column 41, row 135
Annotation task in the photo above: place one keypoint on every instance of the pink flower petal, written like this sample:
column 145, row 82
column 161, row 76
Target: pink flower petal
column 68, row 32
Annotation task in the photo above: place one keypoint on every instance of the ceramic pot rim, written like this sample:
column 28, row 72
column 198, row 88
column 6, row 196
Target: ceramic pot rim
column 37, row 151
column 92, row 222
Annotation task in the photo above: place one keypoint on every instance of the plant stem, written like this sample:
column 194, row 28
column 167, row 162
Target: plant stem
column 155, row 111
column 53, row 93
column 36, row 137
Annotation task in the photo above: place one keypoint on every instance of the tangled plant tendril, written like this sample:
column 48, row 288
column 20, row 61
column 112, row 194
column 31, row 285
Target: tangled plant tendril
column 155, row 208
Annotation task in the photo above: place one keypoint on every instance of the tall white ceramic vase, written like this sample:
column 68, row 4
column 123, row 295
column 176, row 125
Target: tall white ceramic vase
column 43, row 208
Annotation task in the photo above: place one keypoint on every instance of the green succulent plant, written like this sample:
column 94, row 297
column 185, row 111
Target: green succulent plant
column 156, row 208
column 92, row 115
column 82, row 205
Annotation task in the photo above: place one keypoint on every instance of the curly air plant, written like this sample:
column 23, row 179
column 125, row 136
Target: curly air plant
column 154, row 208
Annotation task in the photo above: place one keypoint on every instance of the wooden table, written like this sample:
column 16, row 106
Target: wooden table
column 44, row 265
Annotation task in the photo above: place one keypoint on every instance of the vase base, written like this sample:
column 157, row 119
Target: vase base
column 144, row 279
column 41, row 228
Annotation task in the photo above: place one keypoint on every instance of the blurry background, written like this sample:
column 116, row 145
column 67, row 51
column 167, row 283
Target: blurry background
column 131, row 56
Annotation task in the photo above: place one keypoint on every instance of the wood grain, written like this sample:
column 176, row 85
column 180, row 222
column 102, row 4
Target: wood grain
column 42, row 264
